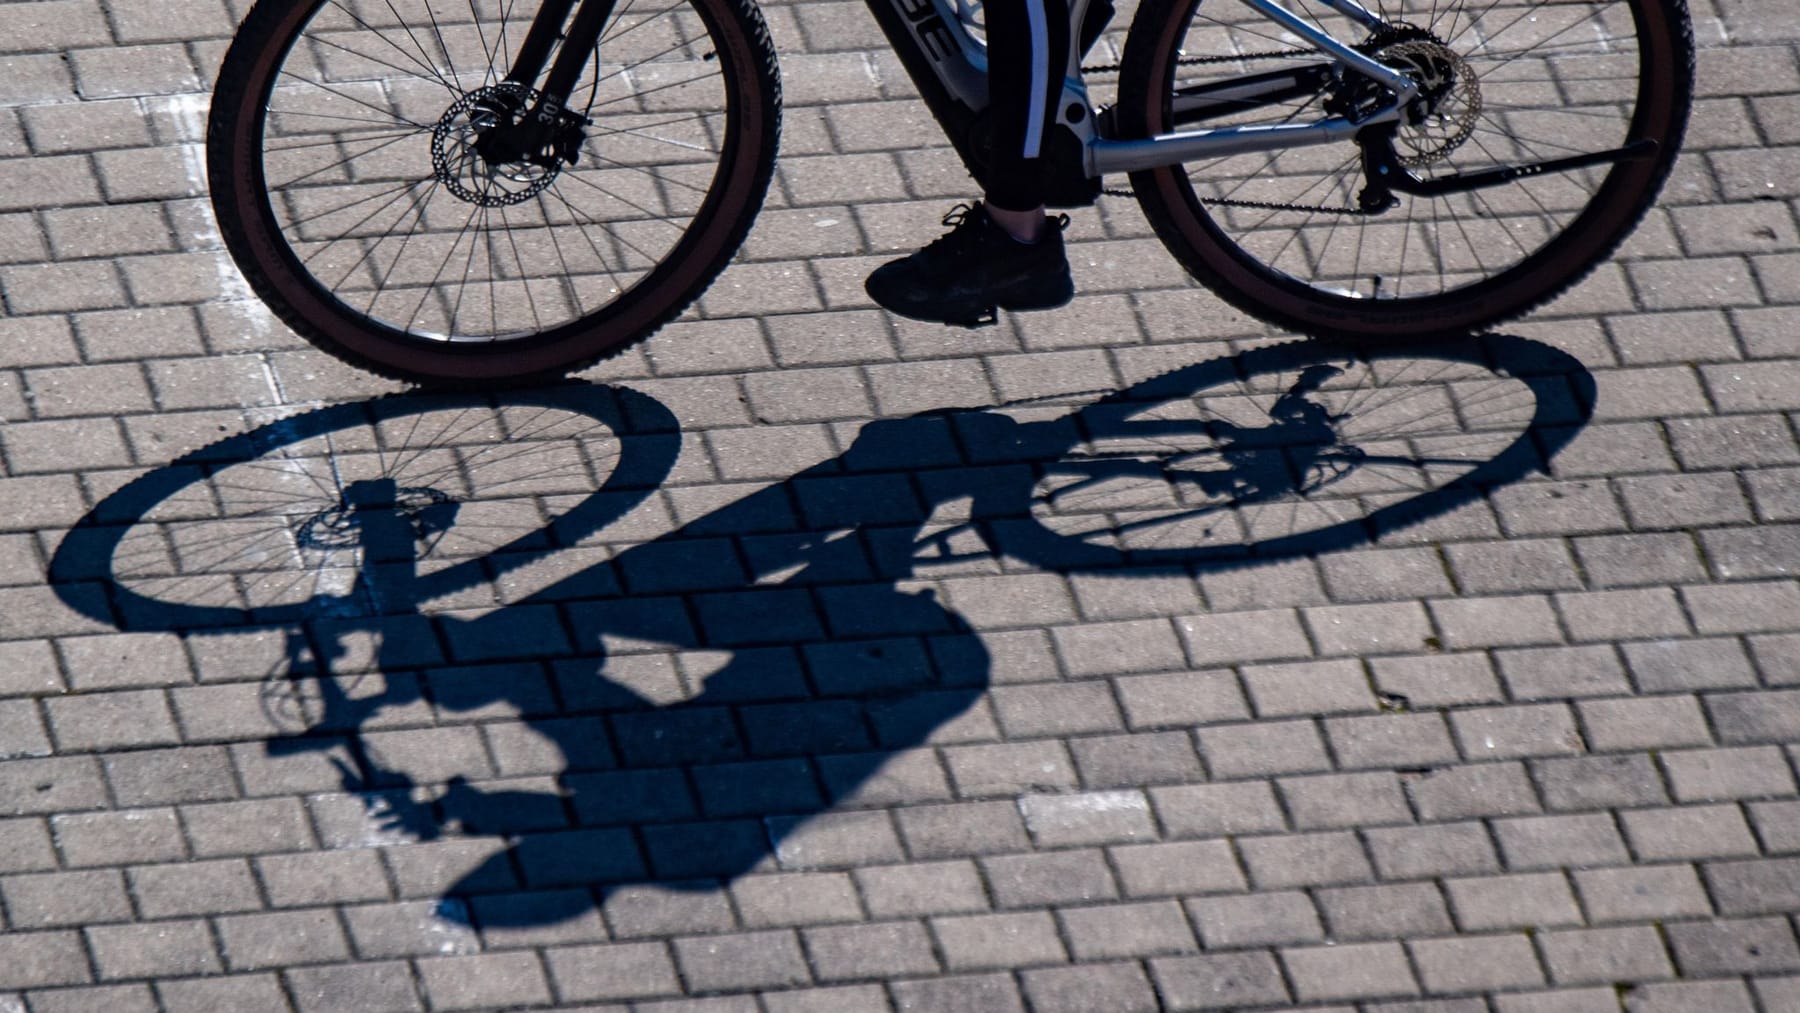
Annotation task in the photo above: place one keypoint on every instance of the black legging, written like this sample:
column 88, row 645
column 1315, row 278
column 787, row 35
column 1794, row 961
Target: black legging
column 1028, row 52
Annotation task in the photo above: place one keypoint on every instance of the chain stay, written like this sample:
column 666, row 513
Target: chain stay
column 1192, row 61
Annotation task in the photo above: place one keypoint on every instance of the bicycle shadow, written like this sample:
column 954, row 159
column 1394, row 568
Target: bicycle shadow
column 601, row 742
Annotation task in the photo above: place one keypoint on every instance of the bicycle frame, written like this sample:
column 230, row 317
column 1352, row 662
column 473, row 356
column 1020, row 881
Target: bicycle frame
column 949, row 67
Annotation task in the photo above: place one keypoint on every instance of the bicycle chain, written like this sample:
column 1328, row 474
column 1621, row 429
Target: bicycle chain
column 1255, row 205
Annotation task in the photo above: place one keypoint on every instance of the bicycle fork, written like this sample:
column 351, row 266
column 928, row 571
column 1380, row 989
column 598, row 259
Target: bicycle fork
column 546, row 131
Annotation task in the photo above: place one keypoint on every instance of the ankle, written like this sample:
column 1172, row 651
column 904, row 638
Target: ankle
column 1024, row 226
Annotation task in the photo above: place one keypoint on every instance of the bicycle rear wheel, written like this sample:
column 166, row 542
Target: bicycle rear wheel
column 351, row 188
column 1506, row 83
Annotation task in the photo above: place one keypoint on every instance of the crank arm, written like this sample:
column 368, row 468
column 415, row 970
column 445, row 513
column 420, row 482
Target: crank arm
column 1406, row 182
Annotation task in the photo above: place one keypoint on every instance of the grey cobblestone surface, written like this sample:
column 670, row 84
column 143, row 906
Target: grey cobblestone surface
column 1535, row 755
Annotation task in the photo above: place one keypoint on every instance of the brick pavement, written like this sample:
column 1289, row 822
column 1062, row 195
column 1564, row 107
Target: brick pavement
column 1536, row 754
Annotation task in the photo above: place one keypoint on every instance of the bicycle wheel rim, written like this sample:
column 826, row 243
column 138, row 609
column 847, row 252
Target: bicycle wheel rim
column 1435, row 265
column 259, row 528
column 1472, row 421
column 424, row 283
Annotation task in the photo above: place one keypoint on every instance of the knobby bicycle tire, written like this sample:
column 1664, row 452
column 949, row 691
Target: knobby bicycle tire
column 349, row 187
column 1520, row 82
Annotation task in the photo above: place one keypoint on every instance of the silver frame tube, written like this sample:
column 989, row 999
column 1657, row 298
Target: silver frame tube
column 1351, row 57
column 1106, row 156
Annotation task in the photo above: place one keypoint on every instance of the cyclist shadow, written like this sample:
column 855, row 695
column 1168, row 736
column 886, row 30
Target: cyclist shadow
column 642, row 767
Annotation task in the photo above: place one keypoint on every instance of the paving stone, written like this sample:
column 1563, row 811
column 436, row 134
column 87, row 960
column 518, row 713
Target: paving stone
column 1477, row 963
column 1391, row 740
column 972, row 942
column 1528, row 900
column 653, row 910
column 65, row 899
column 1482, row 789
column 1057, row 877
column 1573, row 1000
column 1105, row 648
column 255, row 826
column 1603, row 956
column 1777, row 993
column 1345, row 800
column 483, row 980
column 1121, row 987
column 1181, row 699
column 1088, row 818
column 1055, row 709
column 1393, row 911
column 1184, row 867
column 153, row 949
column 1744, row 772
column 1219, row 980
column 1369, row 629
column 195, row 888
column 1350, row 971
column 280, row 939
column 410, row 928
column 796, row 899
column 1636, row 894
column 1263, row 749
column 121, row 998
column 881, row 949
column 1643, row 723
column 1563, row 672
column 959, row 994
column 921, row 888
column 1477, row 623
column 1672, row 665
column 247, row 992
column 1308, row 688
column 1317, row 859
column 1542, row 842
column 974, row 828
column 1128, row 760
column 330, row 877
column 1009, row 768
column 1726, row 997
column 1777, row 824
column 1520, row 730
column 118, row 837
column 748, row 960
column 1239, row 636
column 1599, row 782
column 1437, row 680
column 1752, row 887
column 1734, row 946
column 1255, row 919
column 374, row 987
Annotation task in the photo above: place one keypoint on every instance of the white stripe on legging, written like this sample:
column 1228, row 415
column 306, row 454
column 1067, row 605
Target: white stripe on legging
column 1040, row 76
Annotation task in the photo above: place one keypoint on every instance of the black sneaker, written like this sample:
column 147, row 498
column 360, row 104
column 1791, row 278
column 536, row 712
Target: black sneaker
column 965, row 277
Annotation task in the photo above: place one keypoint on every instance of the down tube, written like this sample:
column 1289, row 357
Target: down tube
column 930, row 48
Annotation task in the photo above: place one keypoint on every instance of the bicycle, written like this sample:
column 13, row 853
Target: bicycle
column 464, row 192
column 384, row 520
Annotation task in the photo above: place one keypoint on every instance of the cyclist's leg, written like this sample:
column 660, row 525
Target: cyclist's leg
column 1004, row 253
column 1028, row 47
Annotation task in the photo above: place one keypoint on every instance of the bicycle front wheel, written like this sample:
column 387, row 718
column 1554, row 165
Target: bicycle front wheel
column 356, row 188
column 1586, row 99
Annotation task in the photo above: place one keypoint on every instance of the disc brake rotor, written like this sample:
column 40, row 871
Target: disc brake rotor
column 461, row 167
column 1443, row 117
